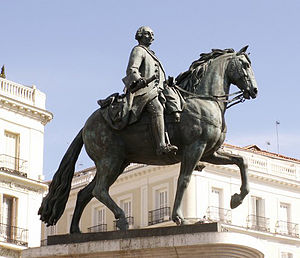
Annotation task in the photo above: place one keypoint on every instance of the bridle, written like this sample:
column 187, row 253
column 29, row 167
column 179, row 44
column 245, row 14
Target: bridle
column 234, row 67
column 223, row 98
column 239, row 95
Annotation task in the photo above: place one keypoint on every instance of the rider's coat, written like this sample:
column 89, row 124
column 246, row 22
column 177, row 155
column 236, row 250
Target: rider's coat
column 143, row 63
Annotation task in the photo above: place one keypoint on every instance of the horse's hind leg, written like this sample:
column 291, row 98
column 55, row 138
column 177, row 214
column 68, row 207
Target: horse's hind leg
column 83, row 198
column 190, row 158
column 224, row 158
column 107, row 173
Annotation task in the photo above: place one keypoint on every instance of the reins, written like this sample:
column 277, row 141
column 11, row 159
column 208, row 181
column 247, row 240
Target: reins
column 237, row 99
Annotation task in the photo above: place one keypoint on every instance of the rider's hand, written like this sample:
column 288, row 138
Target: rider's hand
column 170, row 81
column 141, row 83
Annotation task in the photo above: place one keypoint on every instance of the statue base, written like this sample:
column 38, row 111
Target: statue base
column 198, row 240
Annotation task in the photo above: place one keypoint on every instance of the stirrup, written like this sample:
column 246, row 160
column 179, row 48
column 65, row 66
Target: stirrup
column 168, row 148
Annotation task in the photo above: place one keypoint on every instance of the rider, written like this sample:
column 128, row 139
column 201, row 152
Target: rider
column 142, row 65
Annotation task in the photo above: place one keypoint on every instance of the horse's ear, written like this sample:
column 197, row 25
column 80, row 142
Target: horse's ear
column 243, row 50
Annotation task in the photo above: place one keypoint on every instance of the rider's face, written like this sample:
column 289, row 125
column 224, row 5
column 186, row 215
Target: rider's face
column 147, row 37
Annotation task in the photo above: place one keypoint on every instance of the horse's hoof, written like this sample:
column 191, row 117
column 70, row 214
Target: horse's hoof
column 235, row 201
column 185, row 222
column 122, row 224
column 180, row 221
column 177, row 220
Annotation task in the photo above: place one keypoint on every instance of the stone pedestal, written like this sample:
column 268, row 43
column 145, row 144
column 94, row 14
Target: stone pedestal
column 201, row 240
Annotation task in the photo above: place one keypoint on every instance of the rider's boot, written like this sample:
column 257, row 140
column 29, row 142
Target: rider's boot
column 158, row 129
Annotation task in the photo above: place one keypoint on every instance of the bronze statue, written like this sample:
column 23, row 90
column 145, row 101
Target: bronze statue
column 2, row 74
column 145, row 88
column 198, row 135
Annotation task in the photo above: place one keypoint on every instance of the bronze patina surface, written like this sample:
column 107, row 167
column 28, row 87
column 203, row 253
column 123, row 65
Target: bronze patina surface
column 198, row 135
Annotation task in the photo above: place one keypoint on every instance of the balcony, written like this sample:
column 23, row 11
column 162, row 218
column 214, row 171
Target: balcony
column 217, row 214
column 259, row 223
column 29, row 95
column 98, row 228
column 13, row 235
column 159, row 215
column 287, row 228
column 13, row 165
column 130, row 221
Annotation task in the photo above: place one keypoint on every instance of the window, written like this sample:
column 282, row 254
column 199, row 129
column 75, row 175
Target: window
column 9, row 216
column 11, row 150
column 99, row 216
column 126, row 206
column 99, row 220
column 286, row 255
column 215, row 210
column 258, row 206
column 216, row 197
column 257, row 218
column 160, row 204
column 284, row 218
column 284, row 211
column 161, row 198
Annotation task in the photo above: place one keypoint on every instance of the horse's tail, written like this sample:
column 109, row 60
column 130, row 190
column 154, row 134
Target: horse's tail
column 54, row 203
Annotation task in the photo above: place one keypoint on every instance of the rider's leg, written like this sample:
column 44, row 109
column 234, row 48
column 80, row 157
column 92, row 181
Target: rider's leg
column 158, row 127
column 174, row 102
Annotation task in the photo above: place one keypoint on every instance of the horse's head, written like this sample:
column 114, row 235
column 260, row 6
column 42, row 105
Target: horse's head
column 241, row 74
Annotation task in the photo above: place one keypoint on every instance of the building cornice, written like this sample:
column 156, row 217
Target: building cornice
column 260, row 176
column 134, row 171
column 255, row 150
column 139, row 170
column 19, row 107
column 260, row 234
column 22, row 183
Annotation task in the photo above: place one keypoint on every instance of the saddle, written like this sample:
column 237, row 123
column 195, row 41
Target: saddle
column 115, row 110
column 125, row 109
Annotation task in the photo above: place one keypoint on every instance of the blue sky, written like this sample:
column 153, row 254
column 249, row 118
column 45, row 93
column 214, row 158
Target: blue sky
column 77, row 52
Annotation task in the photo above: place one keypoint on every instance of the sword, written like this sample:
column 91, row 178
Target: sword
column 135, row 86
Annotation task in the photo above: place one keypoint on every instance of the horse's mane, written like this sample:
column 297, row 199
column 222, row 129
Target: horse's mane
column 190, row 79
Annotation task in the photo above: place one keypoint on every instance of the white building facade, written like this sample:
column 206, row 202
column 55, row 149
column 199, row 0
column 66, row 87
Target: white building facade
column 22, row 119
column 269, row 214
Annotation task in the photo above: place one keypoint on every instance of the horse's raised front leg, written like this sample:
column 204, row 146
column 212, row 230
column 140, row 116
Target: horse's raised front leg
column 190, row 158
column 224, row 158
column 83, row 198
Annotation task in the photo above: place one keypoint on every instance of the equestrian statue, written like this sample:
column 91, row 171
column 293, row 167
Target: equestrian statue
column 185, row 116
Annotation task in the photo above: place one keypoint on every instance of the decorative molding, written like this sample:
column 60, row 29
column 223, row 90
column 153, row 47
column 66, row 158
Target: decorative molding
column 18, row 107
column 22, row 184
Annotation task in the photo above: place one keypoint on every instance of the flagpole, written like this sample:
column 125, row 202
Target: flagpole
column 277, row 123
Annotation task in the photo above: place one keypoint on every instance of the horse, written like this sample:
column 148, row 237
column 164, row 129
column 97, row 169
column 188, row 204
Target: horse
column 199, row 136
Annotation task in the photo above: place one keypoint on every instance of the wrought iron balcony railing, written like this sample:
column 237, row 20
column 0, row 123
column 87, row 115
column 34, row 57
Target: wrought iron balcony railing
column 287, row 228
column 159, row 215
column 130, row 221
column 98, row 228
column 258, row 223
column 13, row 235
column 219, row 214
column 13, row 165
